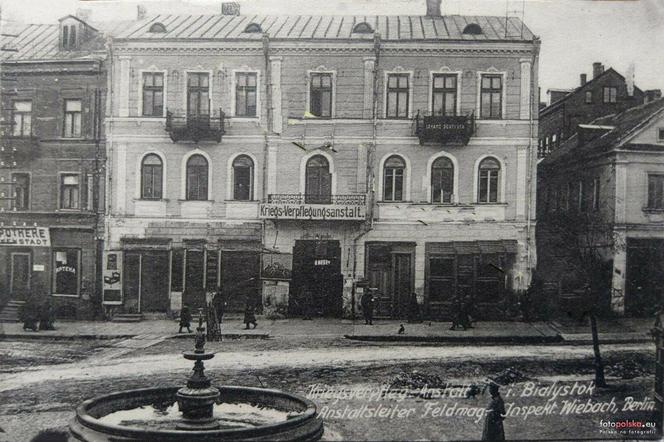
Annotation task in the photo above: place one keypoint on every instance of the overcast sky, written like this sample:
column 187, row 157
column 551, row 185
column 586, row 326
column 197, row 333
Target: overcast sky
column 574, row 33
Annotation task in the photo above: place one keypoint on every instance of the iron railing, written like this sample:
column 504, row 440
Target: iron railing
column 444, row 129
column 195, row 127
column 301, row 198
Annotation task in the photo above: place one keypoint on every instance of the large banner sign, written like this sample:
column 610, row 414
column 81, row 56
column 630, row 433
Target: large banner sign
column 312, row 211
column 25, row 236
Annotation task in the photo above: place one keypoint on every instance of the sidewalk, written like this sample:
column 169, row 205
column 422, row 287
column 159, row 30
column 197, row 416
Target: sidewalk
column 626, row 330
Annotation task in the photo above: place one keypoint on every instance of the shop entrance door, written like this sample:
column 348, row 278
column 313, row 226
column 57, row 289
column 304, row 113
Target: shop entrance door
column 240, row 279
column 20, row 271
column 402, row 284
column 194, row 290
column 645, row 276
column 132, row 282
column 317, row 270
column 154, row 281
column 389, row 271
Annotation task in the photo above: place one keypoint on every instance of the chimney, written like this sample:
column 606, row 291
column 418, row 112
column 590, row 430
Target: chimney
column 629, row 79
column 230, row 8
column 141, row 12
column 584, row 79
column 598, row 69
column 84, row 14
column 433, row 8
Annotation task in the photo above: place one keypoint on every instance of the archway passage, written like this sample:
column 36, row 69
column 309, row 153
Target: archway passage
column 317, row 284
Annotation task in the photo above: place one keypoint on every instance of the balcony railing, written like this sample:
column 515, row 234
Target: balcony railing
column 298, row 206
column 195, row 127
column 444, row 129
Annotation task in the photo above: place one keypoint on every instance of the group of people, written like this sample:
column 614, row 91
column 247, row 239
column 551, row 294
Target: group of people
column 37, row 315
column 219, row 303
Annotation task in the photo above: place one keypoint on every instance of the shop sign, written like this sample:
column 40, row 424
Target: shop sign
column 25, row 236
column 312, row 211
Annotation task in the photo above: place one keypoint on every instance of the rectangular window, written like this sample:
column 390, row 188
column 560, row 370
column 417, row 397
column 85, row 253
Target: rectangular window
column 398, row 93
column 589, row 97
column 22, row 118
column 245, row 94
column 491, row 100
column 90, row 187
column 21, row 186
column 660, row 134
column 66, row 272
column 596, row 194
column 198, row 95
column 582, row 197
column 153, row 94
column 72, row 126
column 393, row 183
column 444, row 94
column 610, row 94
column 488, row 186
column 656, row 192
column 70, row 191
column 320, row 94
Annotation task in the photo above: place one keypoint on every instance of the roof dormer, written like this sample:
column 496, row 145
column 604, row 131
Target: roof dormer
column 74, row 32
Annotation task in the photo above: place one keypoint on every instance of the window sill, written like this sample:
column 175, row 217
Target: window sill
column 195, row 201
column 64, row 296
column 242, row 119
column 489, row 204
column 653, row 211
column 394, row 202
column 69, row 210
column 149, row 200
column 242, row 201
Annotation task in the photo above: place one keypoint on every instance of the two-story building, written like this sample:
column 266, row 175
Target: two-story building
column 606, row 184
column 52, row 165
column 285, row 159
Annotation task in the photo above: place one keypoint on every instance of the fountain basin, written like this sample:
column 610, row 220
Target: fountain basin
column 289, row 417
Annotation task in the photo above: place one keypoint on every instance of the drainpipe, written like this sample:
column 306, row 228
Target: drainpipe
column 531, row 157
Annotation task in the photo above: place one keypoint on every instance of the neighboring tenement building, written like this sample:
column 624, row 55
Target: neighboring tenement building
column 606, row 93
column 601, row 211
column 294, row 160
column 51, row 175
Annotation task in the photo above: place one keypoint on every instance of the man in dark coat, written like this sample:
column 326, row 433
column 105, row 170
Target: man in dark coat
column 46, row 315
column 249, row 314
column 185, row 318
column 495, row 413
column 413, row 309
column 29, row 313
column 367, row 301
column 219, row 302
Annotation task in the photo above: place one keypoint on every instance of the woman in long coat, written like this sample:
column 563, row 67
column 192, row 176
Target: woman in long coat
column 495, row 413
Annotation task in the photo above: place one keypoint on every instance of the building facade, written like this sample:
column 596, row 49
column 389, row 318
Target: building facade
column 609, row 181
column 52, row 158
column 606, row 93
column 291, row 161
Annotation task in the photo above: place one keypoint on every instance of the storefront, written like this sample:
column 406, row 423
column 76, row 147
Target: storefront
column 645, row 276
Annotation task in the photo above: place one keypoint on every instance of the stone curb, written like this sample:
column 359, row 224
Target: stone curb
column 456, row 339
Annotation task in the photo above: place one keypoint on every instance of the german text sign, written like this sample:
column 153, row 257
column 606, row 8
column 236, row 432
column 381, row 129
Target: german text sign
column 25, row 236
column 312, row 211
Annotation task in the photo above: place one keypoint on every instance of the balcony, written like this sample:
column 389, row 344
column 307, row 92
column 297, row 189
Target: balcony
column 444, row 129
column 195, row 127
column 314, row 207
column 19, row 148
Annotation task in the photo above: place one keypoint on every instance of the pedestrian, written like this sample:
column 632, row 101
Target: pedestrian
column 185, row 318
column 249, row 315
column 219, row 302
column 456, row 312
column 29, row 313
column 413, row 309
column 466, row 308
column 495, row 414
column 46, row 315
column 367, row 301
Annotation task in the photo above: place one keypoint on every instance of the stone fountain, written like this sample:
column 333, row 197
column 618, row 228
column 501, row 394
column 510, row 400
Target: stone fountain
column 197, row 412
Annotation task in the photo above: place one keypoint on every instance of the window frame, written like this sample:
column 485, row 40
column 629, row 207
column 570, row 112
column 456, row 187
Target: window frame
column 431, row 183
column 207, row 178
column 499, row 180
column 27, row 196
column 235, row 86
column 67, row 114
column 589, row 97
column 252, row 171
column 161, row 178
column 613, row 94
column 409, row 94
column 210, row 89
column 596, row 194
column 481, row 90
column 393, row 178
column 333, row 91
column 660, row 134
column 164, row 91
column 22, row 114
column 433, row 90
column 79, row 253
column 318, row 198
column 62, row 186
column 658, row 205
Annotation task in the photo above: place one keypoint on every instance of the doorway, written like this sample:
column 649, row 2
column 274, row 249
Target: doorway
column 194, row 288
column 240, row 279
column 132, row 282
column 317, row 270
column 645, row 276
column 146, row 281
column 20, row 275
column 390, row 271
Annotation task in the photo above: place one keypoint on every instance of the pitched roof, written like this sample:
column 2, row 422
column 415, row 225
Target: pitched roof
column 624, row 124
column 296, row 27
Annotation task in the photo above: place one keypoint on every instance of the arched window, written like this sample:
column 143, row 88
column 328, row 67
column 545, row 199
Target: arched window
column 243, row 173
column 442, row 180
column 157, row 28
column 362, row 28
column 473, row 29
column 151, row 177
column 253, row 28
column 489, row 177
column 197, row 178
column 318, row 185
column 393, row 176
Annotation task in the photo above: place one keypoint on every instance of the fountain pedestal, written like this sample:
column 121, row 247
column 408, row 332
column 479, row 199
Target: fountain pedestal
column 196, row 400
